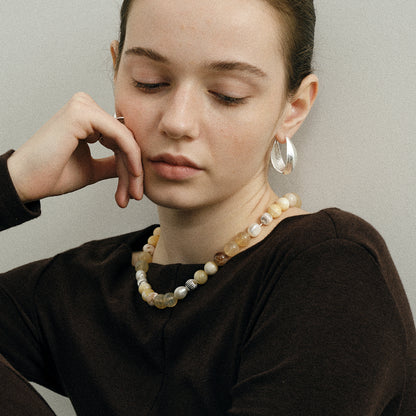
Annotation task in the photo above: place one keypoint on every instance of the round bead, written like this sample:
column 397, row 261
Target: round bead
column 200, row 277
column 243, row 239
column 144, row 286
column 145, row 257
column 221, row 259
column 170, row 300
column 141, row 275
column 142, row 265
column 254, row 230
column 231, row 249
column 149, row 296
column 210, row 268
column 135, row 258
column 266, row 218
column 153, row 240
column 283, row 203
column 147, row 248
column 191, row 284
column 180, row 292
column 156, row 231
column 160, row 302
column 274, row 210
column 294, row 200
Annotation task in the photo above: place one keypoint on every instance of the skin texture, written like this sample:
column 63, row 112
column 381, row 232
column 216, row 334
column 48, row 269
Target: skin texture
column 207, row 88
column 183, row 112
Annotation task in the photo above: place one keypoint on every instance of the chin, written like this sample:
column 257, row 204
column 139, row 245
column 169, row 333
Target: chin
column 173, row 198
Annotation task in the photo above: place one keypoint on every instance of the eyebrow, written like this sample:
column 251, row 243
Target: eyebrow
column 218, row 66
column 225, row 66
column 149, row 53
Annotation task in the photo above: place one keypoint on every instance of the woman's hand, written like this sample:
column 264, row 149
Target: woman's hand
column 57, row 159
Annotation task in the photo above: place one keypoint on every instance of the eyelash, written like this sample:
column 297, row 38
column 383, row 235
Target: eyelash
column 223, row 99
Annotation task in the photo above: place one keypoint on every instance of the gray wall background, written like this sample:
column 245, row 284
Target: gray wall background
column 357, row 150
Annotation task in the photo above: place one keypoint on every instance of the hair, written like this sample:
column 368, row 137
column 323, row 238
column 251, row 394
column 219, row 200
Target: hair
column 298, row 18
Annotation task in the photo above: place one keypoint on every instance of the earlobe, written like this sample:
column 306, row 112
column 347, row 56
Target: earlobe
column 299, row 106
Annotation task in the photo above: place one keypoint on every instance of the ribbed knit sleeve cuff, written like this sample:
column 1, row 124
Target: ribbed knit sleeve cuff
column 12, row 210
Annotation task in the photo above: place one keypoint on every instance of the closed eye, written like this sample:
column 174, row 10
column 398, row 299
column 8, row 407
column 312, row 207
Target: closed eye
column 227, row 100
column 150, row 87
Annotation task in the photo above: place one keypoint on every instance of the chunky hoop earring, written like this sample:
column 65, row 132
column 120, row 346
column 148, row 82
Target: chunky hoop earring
column 285, row 168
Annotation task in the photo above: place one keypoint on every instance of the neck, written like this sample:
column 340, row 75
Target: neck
column 194, row 236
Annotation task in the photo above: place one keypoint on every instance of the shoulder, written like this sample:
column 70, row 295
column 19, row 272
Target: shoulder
column 91, row 260
column 333, row 227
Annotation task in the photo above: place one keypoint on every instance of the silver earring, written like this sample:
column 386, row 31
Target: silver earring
column 277, row 160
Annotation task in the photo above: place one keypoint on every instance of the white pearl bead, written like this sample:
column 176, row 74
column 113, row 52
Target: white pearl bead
column 266, row 218
column 254, row 230
column 210, row 268
column 180, row 292
column 283, row 203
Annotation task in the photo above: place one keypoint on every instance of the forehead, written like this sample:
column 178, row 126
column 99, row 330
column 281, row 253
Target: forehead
column 207, row 29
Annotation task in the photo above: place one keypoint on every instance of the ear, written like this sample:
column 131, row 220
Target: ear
column 298, row 107
column 114, row 53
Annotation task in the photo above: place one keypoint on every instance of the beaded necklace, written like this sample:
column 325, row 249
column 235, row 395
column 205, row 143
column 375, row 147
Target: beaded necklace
column 142, row 259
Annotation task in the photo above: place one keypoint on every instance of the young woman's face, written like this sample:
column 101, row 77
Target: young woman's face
column 201, row 84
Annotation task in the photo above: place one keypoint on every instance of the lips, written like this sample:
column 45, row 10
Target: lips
column 174, row 167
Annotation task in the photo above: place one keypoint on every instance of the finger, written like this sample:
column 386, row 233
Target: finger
column 135, row 186
column 122, row 193
column 116, row 136
column 104, row 168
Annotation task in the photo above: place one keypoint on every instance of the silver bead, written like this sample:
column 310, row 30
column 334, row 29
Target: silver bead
column 191, row 284
column 141, row 275
column 266, row 218
column 180, row 292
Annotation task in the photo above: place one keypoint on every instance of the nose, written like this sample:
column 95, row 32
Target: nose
column 181, row 113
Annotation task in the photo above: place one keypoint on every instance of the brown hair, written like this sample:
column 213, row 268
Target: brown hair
column 298, row 17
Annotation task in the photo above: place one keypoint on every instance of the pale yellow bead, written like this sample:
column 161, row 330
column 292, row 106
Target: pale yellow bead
column 153, row 240
column 200, row 277
column 294, row 200
column 160, row 302
column 143, row 256
column 170, row 300
column 135, row 258
column 149, row 297
column 275, row 210
column 210, row 268
column 143, row 287
column 142, row 265
column 146, row 293
column 243, row 239
column 156, row 231
column 231, row 249
column 283, row 203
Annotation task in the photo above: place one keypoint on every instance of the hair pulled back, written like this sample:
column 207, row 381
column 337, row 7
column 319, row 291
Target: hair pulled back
column 298, row 18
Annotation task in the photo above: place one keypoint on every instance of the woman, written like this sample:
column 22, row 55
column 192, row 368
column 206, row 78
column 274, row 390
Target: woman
column 246, row 303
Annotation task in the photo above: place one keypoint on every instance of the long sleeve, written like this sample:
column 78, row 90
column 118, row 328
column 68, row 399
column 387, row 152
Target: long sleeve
column 12, row 210
column 17, row 396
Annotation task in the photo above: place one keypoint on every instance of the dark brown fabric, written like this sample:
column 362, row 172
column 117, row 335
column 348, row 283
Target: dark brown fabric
column 17, row 396
column 313, row 320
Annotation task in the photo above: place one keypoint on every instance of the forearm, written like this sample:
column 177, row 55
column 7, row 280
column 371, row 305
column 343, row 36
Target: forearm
column 12, row 211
